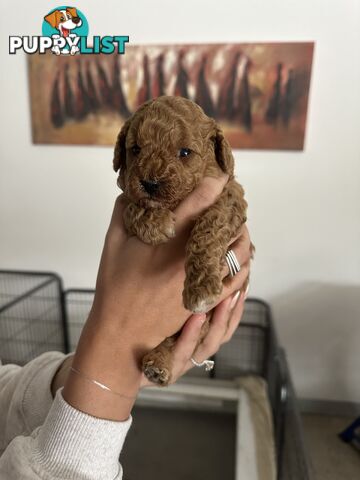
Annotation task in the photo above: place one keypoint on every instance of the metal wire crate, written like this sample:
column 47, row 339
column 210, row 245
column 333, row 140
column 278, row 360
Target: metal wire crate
column 32, row 315
column 36, row 315
column 253, row 350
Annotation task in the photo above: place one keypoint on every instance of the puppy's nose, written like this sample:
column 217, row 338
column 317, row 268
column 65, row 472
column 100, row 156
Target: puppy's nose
column 150, row 186
column 76, row 19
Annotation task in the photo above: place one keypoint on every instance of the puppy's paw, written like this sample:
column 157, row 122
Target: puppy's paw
column 156, row 374
column 200, row 298
column 201, row 289
column 152, row 226
column 160, row 227
column 198, row 303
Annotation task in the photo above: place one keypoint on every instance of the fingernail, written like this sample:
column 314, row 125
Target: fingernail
column 234, row 299
column 247, row 290
column 201, row 317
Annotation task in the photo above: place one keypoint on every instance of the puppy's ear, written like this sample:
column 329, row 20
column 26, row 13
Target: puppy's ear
column 72, row 11
column 223, row 153
column 119, row 160
column 51, row 18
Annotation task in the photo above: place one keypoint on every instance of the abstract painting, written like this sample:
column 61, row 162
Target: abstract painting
column 258, row 92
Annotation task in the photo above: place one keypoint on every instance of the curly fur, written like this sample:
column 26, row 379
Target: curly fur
column 147, row 149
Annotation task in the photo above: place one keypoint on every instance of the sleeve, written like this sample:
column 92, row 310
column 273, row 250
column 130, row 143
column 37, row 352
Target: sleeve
column 25, row 395
column 70, row 444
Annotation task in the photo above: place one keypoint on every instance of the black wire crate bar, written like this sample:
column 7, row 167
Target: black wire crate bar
column 32, row 315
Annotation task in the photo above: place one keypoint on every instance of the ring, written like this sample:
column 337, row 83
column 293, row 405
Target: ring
column 209, row 364
column 232, row 262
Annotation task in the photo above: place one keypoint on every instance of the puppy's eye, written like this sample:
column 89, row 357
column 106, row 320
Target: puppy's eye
column 62, row 19
column 184, row 152
column 135, row 149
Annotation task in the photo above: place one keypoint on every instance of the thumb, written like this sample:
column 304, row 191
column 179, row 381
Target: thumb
column 204, row 195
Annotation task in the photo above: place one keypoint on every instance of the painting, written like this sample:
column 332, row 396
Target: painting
column 258, row 92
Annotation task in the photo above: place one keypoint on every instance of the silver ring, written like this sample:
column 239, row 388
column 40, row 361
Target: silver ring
column 232, row 262
column 208, row 364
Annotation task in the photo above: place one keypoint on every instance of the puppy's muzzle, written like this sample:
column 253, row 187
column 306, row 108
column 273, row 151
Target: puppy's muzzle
column 150, row 186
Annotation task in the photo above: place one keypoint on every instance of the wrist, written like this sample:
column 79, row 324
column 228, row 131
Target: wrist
column 61, row 375
column 122, row 327
column 103, row 357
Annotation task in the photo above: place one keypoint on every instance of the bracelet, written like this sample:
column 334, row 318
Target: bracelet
column 99, row 384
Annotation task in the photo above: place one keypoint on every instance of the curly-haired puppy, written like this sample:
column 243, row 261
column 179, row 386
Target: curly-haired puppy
column 163, row 151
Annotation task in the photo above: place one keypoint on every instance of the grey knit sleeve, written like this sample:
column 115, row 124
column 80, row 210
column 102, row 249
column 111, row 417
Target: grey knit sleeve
column 25, row 395
column 69, row 445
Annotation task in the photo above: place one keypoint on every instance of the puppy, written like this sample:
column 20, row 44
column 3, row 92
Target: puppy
column 162, row 153
column 64, row 21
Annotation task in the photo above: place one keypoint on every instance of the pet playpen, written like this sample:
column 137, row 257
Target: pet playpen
column 197, row 425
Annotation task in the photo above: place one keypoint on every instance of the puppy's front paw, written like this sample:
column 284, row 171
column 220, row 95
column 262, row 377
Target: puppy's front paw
column 158, row 374
column 160, row 227
column 200, row 298
column 198, row 303
column 153, row 226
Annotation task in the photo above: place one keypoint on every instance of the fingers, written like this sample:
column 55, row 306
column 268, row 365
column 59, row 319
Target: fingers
column 241, row 248
column 218, row 327
column 244, row 232
column 186, row 344
column 120, row 204
column 116, row 229
column 224, row 322
column 198, row 200
column 235, row 317
column 236, row 282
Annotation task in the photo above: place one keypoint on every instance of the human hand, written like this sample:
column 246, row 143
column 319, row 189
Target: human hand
column 138, row 291
column 224, row 321
column 137, row 304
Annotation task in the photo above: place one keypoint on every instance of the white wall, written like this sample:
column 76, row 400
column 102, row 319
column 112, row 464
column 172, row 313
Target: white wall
column 55, row 201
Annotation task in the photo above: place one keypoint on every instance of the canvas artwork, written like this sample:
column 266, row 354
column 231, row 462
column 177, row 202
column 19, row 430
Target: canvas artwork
column 258, row 92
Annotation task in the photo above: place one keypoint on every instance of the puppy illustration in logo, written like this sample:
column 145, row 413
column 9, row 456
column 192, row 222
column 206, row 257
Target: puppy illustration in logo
column 64, row 21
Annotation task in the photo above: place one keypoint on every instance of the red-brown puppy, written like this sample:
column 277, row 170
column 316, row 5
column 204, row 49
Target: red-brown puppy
column 163, row 151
